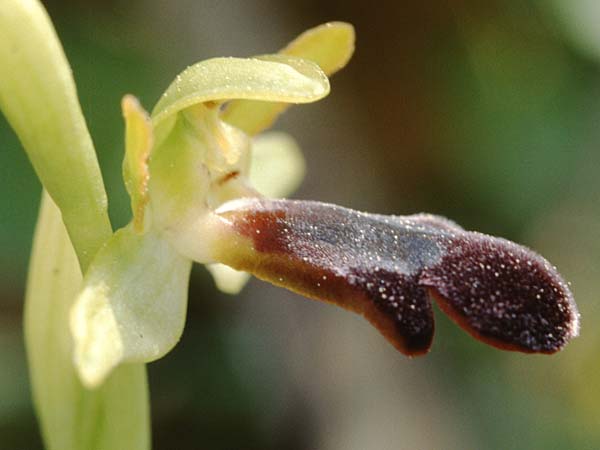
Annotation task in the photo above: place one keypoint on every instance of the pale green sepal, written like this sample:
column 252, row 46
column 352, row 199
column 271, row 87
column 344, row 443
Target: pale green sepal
column 38, row 97
column 114, row 416
column 133, row 304
column 138, row 145
column 330, row 45
column 228, row 280
column 227, row 78
column 277, row 166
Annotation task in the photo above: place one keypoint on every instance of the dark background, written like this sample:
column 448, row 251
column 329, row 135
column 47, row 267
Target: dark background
column 486, row 112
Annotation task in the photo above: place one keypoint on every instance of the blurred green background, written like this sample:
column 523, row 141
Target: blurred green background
column 486, row 112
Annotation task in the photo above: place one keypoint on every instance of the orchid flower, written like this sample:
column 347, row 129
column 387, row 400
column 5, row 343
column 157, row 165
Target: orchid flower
column 204, row 183
column 182, row 162
column 188, row 169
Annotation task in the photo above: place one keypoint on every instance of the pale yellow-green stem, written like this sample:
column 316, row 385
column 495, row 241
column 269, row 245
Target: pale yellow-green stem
column 114, row 416
column 39, row 99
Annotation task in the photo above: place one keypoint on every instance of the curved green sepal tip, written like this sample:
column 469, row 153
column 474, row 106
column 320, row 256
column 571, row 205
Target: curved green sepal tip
column 138, row 144
column 287, row 80
column 330, row 45
column 132, row 307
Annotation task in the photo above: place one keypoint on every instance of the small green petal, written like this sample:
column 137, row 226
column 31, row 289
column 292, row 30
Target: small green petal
column 330, row 45
column 277, row 167
column 138, row 144
column 290, row 80
column 228, row 280
column 133, row 304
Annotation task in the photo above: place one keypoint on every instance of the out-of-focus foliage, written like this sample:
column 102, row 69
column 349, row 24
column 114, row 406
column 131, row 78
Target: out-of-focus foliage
column 484, row 112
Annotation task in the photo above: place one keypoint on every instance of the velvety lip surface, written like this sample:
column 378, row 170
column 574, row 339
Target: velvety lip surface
column 388, row 267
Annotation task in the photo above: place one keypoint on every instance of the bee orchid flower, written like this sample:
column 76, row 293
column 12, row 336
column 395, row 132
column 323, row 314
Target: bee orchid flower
column 195, row 197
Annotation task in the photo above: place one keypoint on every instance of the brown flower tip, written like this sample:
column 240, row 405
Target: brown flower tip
column 503, row 293
column 386, row 268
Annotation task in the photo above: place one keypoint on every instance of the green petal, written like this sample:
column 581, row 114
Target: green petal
column 133, row 304
column 115, row 415
column 291, row 80
column 138, row 144
column 228, row 280
column 38, row 97
column 277, row 167
column 329, row 45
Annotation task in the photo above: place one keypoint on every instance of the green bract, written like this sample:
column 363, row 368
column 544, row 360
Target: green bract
column 115, row 415
column 38, row 97
column 180, row 166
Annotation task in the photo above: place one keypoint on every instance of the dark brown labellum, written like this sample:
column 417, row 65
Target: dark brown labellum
column 388, row 267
